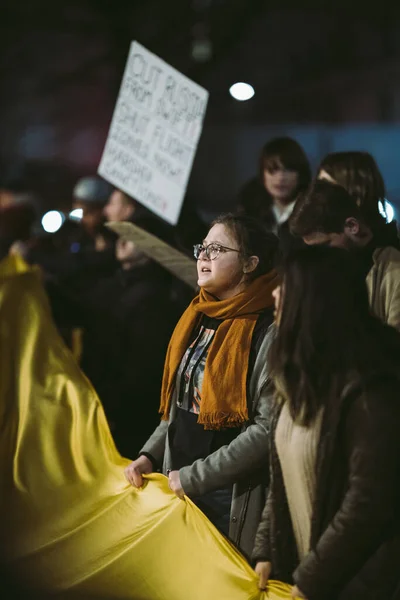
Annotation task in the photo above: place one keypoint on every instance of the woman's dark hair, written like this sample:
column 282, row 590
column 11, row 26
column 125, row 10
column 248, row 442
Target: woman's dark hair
column 359, row 174
column 286, row 153
column 253, row 239
column 326, row 331
column 279, row 153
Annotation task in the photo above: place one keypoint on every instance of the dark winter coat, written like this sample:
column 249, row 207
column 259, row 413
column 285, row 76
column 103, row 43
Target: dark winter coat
column 355, row 533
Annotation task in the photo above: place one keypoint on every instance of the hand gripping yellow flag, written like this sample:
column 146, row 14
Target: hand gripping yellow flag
column 69, row 522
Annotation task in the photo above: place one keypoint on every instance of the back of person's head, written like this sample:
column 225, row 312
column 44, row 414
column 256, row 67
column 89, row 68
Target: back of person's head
column 359, row 174
column 286, row 153
column 253, row 239
column 325, row 330
column 16, row 222
column 323, row 210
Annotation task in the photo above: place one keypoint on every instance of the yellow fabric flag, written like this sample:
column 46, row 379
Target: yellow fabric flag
column 70, row 523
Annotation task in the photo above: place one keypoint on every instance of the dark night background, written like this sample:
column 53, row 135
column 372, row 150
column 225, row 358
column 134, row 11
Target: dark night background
column 328, row 76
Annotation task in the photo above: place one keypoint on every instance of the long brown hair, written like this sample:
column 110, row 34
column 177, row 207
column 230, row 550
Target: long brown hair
column 326, row 331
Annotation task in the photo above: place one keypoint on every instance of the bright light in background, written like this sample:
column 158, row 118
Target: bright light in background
column 52, row 221
column 241, row 91
column 386, row 210
column 76, row 214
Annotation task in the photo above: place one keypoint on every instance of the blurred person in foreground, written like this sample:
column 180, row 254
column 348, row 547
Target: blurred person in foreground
column 329, row 216
column 360, row 176
column 331, row 523
column 284, row 174
column 212, row 439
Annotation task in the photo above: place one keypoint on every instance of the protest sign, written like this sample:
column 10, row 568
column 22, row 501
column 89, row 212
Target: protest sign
column 154, row 133
column 183, row 267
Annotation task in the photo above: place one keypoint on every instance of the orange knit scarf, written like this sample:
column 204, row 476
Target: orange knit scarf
column 224, row 398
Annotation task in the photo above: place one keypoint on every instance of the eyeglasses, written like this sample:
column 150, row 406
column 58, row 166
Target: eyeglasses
column 212, row 250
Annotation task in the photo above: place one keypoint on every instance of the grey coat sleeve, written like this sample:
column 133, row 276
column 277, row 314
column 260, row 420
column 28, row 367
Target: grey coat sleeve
column 247, row 452
column 155, row 445
column 368, row 507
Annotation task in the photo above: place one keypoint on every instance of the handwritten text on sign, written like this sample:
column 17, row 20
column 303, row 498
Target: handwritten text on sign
column 154, row 133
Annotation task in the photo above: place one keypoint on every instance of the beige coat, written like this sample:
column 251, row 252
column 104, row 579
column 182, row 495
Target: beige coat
column 383, row 283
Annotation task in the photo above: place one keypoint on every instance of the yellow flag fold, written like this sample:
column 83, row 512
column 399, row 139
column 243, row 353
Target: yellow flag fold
column 70, row 522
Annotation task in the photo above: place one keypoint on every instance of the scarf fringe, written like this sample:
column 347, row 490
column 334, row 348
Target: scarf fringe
column 221, row 420
column 218, row 420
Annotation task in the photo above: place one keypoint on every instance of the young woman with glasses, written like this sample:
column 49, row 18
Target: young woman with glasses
column 212, row 438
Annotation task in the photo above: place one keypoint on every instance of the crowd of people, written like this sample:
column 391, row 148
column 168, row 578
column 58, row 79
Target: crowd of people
column 278, row 387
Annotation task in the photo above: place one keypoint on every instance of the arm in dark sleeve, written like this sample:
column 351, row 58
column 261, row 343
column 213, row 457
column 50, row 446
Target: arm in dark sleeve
column 262, row 551
column 367, row 511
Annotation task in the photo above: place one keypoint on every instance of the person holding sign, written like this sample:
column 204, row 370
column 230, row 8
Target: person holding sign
column 331, row 523
column 212, row 440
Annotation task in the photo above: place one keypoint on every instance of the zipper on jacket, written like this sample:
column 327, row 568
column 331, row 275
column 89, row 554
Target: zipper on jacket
column 243, row 515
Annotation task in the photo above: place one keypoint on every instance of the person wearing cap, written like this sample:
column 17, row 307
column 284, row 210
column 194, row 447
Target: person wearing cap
column 91, row 194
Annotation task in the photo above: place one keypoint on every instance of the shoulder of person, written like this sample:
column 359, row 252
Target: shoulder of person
column 387, row 257
column 374, row 388
column 264, row 322
column 262, row 340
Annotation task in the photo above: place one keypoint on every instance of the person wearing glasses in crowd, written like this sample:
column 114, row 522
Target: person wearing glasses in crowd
column 212, row 438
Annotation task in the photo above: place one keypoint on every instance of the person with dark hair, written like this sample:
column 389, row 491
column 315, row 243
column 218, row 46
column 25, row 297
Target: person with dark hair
column 360, row 176
column 284, row 174
column 331, row 523
column 329, row 215
column 215, row 397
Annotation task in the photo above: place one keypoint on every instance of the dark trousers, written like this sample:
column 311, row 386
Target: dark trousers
column 217, row 508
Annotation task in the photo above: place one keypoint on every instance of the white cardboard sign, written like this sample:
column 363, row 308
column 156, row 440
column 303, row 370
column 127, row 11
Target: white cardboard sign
column 183, row 267
column 154, row 133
